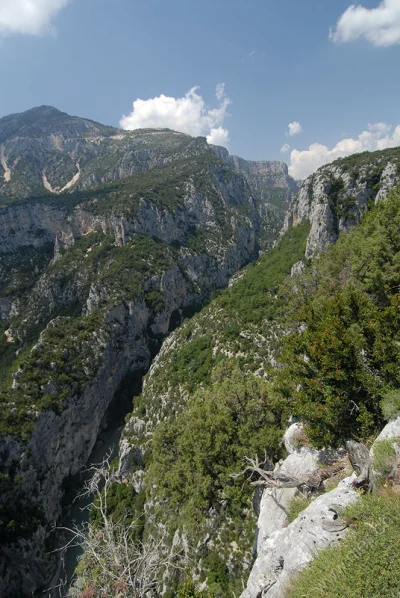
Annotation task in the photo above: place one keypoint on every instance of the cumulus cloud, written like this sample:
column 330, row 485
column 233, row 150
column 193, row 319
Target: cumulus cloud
column 285, row 148
column 188, row 114
column 294, row 129
column 30, row 17
column 377, row 136
column 380, row 25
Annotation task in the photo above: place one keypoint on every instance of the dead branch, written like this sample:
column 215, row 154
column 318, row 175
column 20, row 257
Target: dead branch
column 272, row 480
column 113, row 561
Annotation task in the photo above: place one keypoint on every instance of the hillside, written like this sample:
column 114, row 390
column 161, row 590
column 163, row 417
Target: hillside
column 216, row 380
column 91, row 281
column 113, row 241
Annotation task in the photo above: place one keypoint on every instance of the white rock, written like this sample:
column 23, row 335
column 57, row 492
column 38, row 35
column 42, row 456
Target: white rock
column 291, row 436
column 287, row 551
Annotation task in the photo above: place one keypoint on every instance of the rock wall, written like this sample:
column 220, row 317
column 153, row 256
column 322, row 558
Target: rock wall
column 62, row 442
column 336, row 197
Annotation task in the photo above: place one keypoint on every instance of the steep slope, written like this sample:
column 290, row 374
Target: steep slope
column 91, row 281
column 336, row 196
column 268, row 180
column 202, row 378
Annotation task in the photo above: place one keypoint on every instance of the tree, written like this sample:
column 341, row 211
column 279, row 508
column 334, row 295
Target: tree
column 114, row 562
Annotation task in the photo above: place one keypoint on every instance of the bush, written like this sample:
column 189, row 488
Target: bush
column 390, row 405
column 344, row 354
column 384, row 457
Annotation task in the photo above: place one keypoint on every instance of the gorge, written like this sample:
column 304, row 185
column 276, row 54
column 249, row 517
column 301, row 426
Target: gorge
column 112, row 241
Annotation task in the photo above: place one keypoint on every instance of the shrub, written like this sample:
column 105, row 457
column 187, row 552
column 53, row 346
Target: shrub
column 390, row 405
column 384, row 457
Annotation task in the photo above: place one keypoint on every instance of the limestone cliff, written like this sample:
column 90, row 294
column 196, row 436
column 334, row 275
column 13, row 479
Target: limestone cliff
column 269, row 180
column 336, row 196
column 102, row 275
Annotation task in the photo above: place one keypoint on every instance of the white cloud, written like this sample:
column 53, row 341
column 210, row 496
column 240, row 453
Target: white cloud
column 188, row 115
column 380, row 25
column 377, row 136
column 294, row 129
column 218, row 136
column 31, row 17
column 285, row 148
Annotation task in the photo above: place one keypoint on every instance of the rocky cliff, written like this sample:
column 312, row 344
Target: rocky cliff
column 336, row 196
column 91, row 281
column 269, row 180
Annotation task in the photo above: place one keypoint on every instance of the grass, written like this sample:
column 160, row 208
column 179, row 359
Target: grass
column 365, row 563
column 296, row 506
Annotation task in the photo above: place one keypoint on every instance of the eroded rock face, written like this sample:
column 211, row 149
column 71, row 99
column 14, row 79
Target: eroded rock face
column 336, row 197
column 286, row 551
column 283, row 549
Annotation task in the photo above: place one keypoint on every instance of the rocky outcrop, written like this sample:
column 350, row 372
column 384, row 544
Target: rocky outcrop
column 268, row 180
column 336, row 197
column 284, row 552
column 282, row 549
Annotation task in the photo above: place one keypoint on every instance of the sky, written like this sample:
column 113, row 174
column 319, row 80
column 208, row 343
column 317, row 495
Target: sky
column 304, row 81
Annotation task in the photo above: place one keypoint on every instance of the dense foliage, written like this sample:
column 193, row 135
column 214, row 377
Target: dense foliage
column 195, row 454
column 343, row 358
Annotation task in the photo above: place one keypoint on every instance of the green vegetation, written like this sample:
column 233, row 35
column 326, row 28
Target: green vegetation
column 193, row 362
column 344, row 358
column 384, row 458
column 124, row 506
column 390, row 404
column 342, row 206
column 255, row 297
column 296, row 506
column 53, row 371
column 365, row 563
column 20, row 269
column 356, row 162
column 199, row 449
column 195, row 454
column 56, row 369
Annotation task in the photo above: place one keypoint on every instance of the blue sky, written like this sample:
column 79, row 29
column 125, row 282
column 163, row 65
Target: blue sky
column 94, row 58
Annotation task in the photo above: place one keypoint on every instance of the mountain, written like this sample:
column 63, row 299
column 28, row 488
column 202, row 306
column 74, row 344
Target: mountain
column 268, row 179
column 44, row 150
column 95, row 270
column 125, row 259
column 217, row 378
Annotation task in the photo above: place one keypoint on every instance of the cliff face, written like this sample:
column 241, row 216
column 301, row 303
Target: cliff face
column 45, row 151
column 102, row 275
column 268, row 180
column 337, row 195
